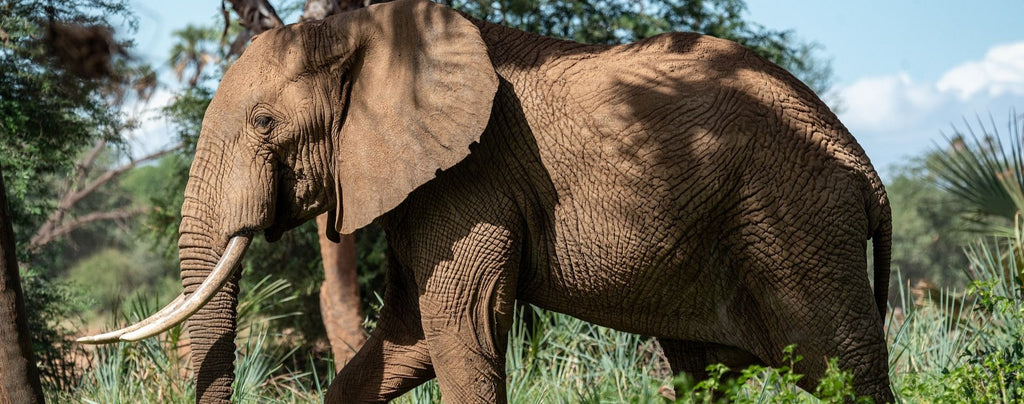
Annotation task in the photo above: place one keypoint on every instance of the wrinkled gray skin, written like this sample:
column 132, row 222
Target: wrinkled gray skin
column 680, row 187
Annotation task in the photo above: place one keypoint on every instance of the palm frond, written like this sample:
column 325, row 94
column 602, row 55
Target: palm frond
column 984, row 173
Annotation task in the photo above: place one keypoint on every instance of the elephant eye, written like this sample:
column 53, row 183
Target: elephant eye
column 264, row 123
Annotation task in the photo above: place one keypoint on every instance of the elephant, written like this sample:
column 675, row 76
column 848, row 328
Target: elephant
column 679, row 187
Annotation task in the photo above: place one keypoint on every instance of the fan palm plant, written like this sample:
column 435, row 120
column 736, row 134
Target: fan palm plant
column 195, row 49
column 983, row 172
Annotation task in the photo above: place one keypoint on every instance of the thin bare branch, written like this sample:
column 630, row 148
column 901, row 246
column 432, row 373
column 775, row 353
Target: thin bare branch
column 121, row 214
column 52, row 228
column 114, row 173
column 255, row 15
column 82, row 168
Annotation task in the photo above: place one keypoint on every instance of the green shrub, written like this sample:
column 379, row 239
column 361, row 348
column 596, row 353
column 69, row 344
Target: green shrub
column 54, row 313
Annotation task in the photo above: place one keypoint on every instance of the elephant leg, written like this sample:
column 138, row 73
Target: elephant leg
column 466, row 305
column 693, row 357
column 395, row 358
column 382, row 370
column 856, row 338
column 821, row 300
column 468, row 347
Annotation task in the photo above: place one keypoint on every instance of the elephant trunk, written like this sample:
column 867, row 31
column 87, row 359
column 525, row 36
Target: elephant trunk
column 212, row 328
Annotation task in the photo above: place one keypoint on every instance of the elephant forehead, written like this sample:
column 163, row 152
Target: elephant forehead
column 247, row 84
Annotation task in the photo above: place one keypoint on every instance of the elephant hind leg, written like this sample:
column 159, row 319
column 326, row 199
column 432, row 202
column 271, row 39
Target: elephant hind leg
column 693, row 357
column 821, row 301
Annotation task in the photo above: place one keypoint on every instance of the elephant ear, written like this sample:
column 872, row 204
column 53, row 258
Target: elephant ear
column 421, row 91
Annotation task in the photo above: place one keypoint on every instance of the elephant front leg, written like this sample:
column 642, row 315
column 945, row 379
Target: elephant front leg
column 467, row 339
column 466, row 304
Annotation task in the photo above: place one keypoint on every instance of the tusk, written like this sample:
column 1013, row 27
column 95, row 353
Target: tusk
column 216, row 280
column 184, row 307
column 114, row 336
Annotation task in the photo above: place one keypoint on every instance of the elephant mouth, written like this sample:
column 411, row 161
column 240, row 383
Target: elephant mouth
column 283, row 224
column 273, row 233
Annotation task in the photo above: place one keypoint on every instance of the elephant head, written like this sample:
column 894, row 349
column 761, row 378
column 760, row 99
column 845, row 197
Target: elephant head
column 346, row 115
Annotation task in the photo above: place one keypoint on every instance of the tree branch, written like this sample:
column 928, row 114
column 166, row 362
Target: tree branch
column 114, row 173
column 52, row 228
column 256, row 15
column 48, row 237
column 82, row 168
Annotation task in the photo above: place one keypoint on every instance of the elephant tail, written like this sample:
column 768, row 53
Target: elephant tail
column 881, row 243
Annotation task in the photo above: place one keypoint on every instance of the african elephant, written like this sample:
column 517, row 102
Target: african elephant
column 680, row 187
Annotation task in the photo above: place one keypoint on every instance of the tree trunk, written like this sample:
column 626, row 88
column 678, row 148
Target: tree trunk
column 339, row 295
column 19, row 377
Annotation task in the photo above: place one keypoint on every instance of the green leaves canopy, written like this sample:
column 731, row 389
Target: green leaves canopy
column 47, row 115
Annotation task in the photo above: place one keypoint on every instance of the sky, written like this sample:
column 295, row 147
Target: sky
column 906, row 71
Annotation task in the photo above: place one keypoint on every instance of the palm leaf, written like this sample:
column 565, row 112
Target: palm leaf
column 984, row 173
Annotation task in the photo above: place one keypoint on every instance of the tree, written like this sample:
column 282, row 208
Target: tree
column 63, row 81
column 19, row 376
column 48, row 115
column 929, row 244
column 192, row 51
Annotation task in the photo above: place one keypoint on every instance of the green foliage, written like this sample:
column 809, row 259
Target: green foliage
column 968, row 348
column 157, row 370
column 47, row 115
column 757, row 384
column 618, row 21
column 928, row 234
column 567, row 360
column 982, row 172
column 108, row 274
column 52, row 307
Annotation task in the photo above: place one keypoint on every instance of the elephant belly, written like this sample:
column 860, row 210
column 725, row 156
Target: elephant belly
column 627, row 270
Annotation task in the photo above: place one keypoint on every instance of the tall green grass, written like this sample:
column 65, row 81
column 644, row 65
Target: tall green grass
column 945, row 346
column 967, row 346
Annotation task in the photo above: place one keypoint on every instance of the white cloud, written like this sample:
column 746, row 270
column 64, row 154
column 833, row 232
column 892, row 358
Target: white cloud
column 1000, row 72
column 887, row 101
column 894, row 116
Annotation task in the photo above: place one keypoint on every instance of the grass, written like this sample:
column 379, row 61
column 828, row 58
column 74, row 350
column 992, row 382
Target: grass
column 945, row 346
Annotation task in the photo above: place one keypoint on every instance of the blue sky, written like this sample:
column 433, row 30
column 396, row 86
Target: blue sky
column 905, row 69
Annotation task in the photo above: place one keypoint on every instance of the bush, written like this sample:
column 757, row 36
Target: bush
column 968, row 348
column 54, row 313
